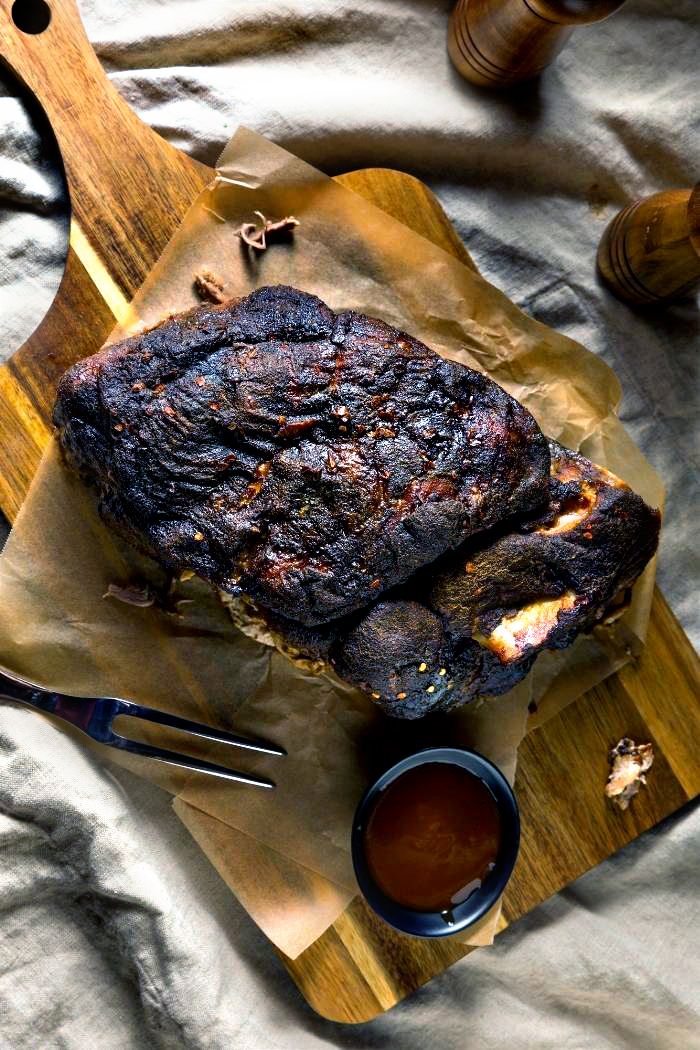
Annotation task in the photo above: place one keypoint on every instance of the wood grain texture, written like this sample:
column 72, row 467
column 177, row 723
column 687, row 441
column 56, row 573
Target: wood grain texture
column 360, row 966
column 650, row 252
column 124, row 180
column 494, row 43
column 128, row 191
column 411, row 202
column 568, row 825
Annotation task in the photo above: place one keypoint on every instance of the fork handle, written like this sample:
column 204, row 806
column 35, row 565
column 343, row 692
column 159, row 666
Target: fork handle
column 77, row 710
column 14, row 688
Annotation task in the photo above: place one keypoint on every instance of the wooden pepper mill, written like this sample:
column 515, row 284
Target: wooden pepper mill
column 651, row 249
column 497, row 42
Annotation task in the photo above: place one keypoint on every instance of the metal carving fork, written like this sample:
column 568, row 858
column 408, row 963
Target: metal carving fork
column 95, row 716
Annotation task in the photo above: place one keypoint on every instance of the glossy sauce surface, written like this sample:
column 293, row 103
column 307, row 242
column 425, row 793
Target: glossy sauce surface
column 432, row 837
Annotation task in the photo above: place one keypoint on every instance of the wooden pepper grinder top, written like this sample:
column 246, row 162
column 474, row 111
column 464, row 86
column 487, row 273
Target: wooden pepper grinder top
column 651, row 249
column 498, row 42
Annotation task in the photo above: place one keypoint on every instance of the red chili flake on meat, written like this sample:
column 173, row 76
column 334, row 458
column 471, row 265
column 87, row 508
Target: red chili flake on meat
column 137, row 388
column 169, row 410
column 292, row 430
column 200, row 380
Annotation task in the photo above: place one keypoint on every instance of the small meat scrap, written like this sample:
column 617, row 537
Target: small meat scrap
column 256, row 236
column 142, row 597
column 209, row 288
column 630, row 762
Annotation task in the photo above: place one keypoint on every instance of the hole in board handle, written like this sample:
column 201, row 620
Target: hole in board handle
column 31, row 16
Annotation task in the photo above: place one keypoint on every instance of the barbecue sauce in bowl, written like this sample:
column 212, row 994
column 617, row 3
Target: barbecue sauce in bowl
column 432, row 837
column 434, row 841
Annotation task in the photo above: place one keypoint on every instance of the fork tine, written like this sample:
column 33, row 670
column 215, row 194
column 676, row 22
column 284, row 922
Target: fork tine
column 94, row 716
column 173, row 758
column 150, row 714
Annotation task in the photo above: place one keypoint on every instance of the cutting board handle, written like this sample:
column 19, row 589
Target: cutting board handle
column 124, row 180
column 129, row 189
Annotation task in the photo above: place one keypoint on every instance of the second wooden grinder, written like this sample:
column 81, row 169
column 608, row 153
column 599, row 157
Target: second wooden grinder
column 651, row 249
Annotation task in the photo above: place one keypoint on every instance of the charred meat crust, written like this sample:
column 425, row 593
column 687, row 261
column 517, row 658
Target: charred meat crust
column 307, row 459
column 555, row 575
column 412, row 664
column 385, row 512
column 473, row 624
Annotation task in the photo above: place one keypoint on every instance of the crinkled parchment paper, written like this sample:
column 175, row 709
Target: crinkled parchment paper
column 286, row 854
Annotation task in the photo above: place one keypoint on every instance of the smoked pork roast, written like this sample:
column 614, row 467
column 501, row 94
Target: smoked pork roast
column 369, row 504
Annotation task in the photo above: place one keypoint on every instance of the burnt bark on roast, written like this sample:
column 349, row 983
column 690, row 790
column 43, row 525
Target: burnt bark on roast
column 504, row 596
column 376, row 508
column 307, row 459
column 472, row 624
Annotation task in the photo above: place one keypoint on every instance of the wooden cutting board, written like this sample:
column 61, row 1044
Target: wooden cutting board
column 128, row 191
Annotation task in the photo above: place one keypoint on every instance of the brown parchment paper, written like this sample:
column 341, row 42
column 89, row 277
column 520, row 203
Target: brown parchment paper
column 287, row 855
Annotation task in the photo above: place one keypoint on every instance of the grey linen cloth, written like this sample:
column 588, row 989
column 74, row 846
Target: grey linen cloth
column 115, row 933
